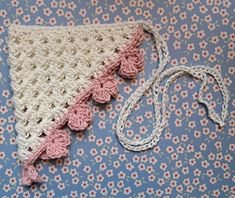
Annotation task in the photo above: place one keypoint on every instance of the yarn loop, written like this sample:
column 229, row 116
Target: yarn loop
column 105, row 89
column 131, row 64
column 30, row 175
column 57, row 145
column 80, row 117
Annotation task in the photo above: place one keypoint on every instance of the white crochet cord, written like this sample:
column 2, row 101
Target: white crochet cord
column 200, row 72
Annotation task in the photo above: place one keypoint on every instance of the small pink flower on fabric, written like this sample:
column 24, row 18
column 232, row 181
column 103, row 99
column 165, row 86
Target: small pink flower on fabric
column 56, row 146
column 104, row 89
column 30, row 175
column 80, row 117
column 131, row 63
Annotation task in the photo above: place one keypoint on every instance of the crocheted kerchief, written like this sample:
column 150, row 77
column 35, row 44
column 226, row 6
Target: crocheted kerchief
column 55, row 71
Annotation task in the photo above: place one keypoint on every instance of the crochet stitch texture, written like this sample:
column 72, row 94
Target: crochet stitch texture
column 57, row 71
column 54, row 72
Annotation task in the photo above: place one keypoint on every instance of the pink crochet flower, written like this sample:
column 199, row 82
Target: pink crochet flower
column 131, row 64
column 80, row 117
column 104, row 89
column 56, row 146
column 30, row 175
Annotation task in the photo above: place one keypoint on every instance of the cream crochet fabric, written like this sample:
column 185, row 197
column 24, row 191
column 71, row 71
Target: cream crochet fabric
column 56, row 71
column 50, row 66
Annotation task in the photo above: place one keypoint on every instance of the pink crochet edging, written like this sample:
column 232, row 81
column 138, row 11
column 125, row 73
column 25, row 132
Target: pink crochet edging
column 129, row 62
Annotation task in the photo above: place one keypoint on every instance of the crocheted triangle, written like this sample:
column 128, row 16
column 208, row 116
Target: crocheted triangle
column 54, row 71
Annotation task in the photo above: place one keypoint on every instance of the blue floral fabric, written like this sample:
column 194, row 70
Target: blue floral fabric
column 194, row 158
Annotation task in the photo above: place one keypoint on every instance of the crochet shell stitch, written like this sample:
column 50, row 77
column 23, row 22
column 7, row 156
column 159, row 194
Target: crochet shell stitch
column 55, row 72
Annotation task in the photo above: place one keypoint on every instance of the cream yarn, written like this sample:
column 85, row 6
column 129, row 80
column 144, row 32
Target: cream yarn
column 55, row 71
column 160, row 106
column 50, row 66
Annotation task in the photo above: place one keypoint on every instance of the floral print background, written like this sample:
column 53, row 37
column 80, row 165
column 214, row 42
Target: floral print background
column 194, row 158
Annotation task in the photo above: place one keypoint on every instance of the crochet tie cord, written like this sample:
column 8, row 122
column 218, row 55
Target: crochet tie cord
column 57, row 71
column 200, row 72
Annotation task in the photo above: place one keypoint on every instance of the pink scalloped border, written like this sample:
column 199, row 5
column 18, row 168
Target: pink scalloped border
column 29, row 173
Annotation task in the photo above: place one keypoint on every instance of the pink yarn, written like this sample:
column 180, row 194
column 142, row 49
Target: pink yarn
column 131, row 64
column 57, row 145
column 104, row 89
column 30, row 175
column 80, row 117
